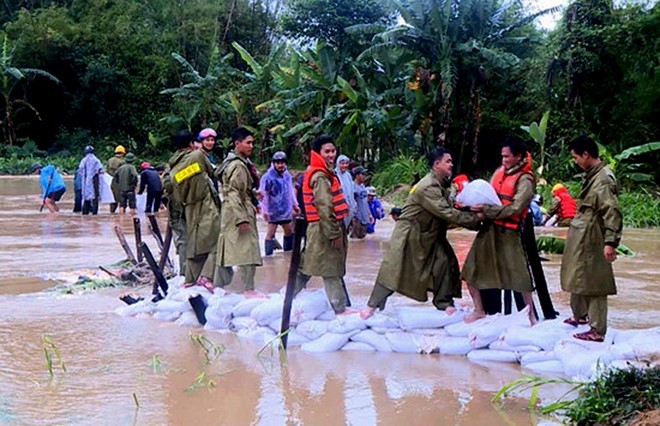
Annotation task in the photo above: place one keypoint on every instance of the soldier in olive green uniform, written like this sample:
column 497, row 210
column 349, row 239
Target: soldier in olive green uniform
column 190, row 177
column 326, row 240
column 176, row 218
column 593, row 235
column 126, row 179
column 238, row 242
column 497, row 259
column 115, row 163
column 419, row 258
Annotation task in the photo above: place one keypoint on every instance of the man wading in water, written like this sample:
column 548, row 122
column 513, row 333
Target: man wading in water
column 419, row 258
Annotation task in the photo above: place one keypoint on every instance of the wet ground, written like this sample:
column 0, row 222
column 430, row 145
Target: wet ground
column 141, row 371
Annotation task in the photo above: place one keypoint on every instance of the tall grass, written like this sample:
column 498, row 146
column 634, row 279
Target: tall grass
column 400, row 170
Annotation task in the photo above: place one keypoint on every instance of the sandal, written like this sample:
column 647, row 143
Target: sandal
column 590, row 336
column 206, row 283
column 575, row 322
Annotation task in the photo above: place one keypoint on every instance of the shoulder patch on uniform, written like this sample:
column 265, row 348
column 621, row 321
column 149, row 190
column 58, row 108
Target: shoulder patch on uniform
column 187, row 172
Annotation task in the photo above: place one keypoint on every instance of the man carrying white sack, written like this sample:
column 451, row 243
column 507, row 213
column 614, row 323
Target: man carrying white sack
column 497, row 257
column 419, row 258
column 593, row 235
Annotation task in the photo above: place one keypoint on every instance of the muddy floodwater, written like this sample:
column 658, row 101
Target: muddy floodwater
column 142, row 371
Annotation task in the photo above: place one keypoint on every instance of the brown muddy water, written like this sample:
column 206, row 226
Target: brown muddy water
column 141, row 371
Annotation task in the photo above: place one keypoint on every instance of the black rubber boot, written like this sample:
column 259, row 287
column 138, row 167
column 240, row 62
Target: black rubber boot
column 288, row 243
column 199, row 307
column 269, row 247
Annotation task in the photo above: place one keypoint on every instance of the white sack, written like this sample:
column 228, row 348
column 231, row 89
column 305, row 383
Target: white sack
column 373, row 339
column 244, row 308
column 328, row 315
column 241, row 323
column 492, row 355
column 545, row 339
column 105, row 193
column 187, row 319
column 312, row 330
column 534, row 357
column 455, row 346
column 379, row 320
column 410, row 318
column 142, row 307
column 218, row 316
column 172, row 306
column 576, row 361
column 501, row 345
column 295, row 339
column 268, row 311
column 259, row 334
column 346, row 323
column 438, row 332
column 552, row 366
column 463, row 329
column 141, row 202
column 402, row 342
column 484, row 335
column 478, row 192
column 358, row 347
column 166, row 316
column 329, row 342
column 308, row 305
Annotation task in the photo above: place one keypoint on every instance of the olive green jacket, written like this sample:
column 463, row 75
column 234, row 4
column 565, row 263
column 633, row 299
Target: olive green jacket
column 319, row 258
column 236, row 247
column 598, row 222
column 189, row 179
column 419, row 258
column 126, row 178
column 114, row 163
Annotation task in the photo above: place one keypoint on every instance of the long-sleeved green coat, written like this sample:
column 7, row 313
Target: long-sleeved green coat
column 190, row 177
column 497, row 257
column 419, row 258
column 319, row 258
column 237, row 248
column 126, row 178
column 114, row 163
column 598, row 222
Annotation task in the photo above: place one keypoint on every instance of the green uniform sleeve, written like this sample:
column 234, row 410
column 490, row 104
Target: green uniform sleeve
column 329, row 225
column 236, row 186
column 554, row 208
column 521, row 199
column 608, row 209
column 434, row 201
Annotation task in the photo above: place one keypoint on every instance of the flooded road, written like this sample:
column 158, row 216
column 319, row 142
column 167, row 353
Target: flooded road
column 142, row 371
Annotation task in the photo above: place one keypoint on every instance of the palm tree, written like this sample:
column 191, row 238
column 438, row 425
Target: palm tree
column 14, row 78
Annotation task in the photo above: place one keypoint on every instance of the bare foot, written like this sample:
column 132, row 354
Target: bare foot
column 532, row 320
column 450, row 310
column 348, row 311
column 367, row 313
column 474, row 316
column 254, row 294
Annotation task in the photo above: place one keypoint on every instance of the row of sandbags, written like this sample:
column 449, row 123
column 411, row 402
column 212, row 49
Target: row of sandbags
column 545, row 348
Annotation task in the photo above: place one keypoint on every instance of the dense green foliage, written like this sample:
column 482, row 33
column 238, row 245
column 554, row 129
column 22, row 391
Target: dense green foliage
column 384, row 78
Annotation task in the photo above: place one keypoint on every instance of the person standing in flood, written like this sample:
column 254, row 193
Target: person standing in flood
column 90, row 170
column 279, row 203
column 346, row 180
column 326, row 208
column 190, row 180
column 593, row 236
column 114, row 163
column 150, row 180
column 497, row 258
column 419, row 258
column 363, row 216
column 126, row 179
column 238, row 242
column 52, row 186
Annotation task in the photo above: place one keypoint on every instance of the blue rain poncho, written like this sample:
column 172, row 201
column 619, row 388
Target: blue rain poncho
column 279, row 197
column 50, row 181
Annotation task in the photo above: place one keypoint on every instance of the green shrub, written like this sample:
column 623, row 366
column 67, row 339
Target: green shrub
column 401, row 170
column 640, row 209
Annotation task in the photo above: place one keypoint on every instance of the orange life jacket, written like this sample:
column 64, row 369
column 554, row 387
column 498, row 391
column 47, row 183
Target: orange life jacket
column 505, row 187
column 339, row 205
column 567, row 205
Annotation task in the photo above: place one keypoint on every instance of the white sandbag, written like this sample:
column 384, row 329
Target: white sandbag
column 166, row 316
column 244, row 308
column 172, row 306
column 241, row 323
column 548, row 367
column 105, row 193
column 501, row 345
column 379, row 320
column 268, row 311
column 383, row 330
column 463, row 329
column 484, row 335
column 621, row 364
column 328, row 315
column 308, row 305
column 141, row 202
column 142, row 307
column 482, row 355
column 370, row 337
column 455, row 346
column 402, row 342
column 543, row 338
column 329, row 342
column 428, row 344
column 534, row 357
column 312, row 330
column 438, row 332
column 258, row 333
column 295, row 339
column 276, row 325
column 218, row 316
column 646, row 346
column 410, row 318
column 187, row 319
column 478, row 192
column 227, row 299
column 358, row 347
column 346, row 323
column 183, row 294
column 578, row 362
column 623, row 336
column 623, row 351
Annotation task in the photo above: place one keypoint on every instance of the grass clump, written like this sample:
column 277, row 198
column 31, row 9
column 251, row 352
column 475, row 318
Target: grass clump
column 401, row 170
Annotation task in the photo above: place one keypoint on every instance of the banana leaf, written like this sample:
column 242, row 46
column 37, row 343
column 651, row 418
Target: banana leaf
column 555, row 245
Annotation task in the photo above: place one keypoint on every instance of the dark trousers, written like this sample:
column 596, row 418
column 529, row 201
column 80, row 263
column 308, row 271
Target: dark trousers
column 153, row 201
column 77, row 202
column 92, row 206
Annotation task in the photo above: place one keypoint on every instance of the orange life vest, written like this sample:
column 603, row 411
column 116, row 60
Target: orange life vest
column 505, row 187
column 316, row 165
column 567, row 205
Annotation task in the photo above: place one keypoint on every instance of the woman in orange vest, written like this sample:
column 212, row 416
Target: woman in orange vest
column 497, row 258
column 324, row 254
column 563, row 207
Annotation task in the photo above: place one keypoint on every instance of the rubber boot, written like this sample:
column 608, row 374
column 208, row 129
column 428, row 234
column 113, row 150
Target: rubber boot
column 269, row 247
column 288, row 242
column 199, row 306
column 276, row 244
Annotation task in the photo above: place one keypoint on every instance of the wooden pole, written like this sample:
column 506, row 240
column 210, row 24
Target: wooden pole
column 125, row 246
column 299, row 230
column 160, row 279
column 138, row 237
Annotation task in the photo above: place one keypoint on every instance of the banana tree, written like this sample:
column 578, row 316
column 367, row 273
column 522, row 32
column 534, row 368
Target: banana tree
column 538, row 132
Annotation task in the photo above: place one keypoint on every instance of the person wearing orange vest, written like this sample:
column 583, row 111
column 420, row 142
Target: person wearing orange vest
column 324, row 254
column 563, row 207
column 497, row 258
column 420, row 259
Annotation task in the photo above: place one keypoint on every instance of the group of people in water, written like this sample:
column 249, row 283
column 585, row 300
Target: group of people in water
column 213, row 207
